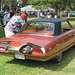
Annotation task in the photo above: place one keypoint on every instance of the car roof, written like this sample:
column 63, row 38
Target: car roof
column 51, row 20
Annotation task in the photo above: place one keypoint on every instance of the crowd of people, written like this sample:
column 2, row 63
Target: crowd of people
column 47, row 15
column 6, row 16
column 13, row 21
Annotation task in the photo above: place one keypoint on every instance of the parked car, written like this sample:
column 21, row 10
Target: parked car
column 64, row 14
column 40, row 39
column 72, row 13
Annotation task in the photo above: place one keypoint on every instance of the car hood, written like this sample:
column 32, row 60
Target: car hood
column 19, row 39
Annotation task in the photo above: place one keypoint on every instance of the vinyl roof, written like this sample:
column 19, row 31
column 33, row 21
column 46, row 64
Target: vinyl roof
column 51, row 20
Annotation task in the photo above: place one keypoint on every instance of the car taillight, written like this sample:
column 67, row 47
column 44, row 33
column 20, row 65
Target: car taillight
column 1, row 46
column 4, row 45
column 36, row 50
column 27, row 49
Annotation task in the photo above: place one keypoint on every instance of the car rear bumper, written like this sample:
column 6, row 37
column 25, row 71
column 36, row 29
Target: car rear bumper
column 26, row 56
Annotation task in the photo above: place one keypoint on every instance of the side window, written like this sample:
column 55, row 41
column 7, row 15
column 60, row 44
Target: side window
column 65, row 26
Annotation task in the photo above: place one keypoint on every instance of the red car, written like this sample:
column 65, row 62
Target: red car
column 40, row 39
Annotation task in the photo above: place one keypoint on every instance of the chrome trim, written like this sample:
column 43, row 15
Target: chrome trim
column 30, row 58
column 43, row 34
column 13, row 50
column 5, row 41
column 59, row 37
column 43, row 50
column 33, row 45
column 16, row 49
column 6, row 45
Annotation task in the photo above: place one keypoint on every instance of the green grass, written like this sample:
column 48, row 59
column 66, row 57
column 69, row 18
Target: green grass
column 10, row 66
column 32, row 18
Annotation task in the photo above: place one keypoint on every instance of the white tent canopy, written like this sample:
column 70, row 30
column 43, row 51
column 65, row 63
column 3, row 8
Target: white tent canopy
column 50, row 9
column 28, row 8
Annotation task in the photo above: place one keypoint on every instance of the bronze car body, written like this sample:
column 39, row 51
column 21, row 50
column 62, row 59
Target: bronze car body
column 46, row 41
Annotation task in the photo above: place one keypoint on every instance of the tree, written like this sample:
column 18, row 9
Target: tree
column 8, row 4
column 57, row 4
column 39, row 4
column 23, row 2
column 1, row 4
column 71, row 4
column 11, row 4
column 52, row 3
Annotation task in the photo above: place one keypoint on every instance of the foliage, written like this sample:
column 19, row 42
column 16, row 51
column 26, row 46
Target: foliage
column 57, row 4
column 23, row 2
column 9, row 4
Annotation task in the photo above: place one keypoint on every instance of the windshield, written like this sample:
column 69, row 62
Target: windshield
column 43, row 28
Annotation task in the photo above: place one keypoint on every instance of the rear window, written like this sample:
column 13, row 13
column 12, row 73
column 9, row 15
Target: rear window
column 40, row 28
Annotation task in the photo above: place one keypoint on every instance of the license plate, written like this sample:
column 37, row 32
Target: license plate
column 20, row 56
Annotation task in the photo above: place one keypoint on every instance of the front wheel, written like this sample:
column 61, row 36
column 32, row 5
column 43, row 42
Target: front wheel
column 57, row 59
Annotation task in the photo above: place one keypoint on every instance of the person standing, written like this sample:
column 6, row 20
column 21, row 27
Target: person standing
column 14, row 25
column 12, row 13
column 2, row 17
column 4, row 20
column 7, row 17
column 19, row 11
column 26, row 16
column 38, row 14
column 55, row 16
column 41, row 14
column 48, row 14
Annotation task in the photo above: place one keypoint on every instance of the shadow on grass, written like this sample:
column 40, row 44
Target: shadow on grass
column 68, row 56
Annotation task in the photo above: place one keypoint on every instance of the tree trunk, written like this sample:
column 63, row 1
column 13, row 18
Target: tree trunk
column 70, row 5
column 1, row 5
column 56, row 8
column 10, row 7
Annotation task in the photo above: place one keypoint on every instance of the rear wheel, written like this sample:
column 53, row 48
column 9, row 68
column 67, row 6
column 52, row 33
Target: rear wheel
column 57, row 59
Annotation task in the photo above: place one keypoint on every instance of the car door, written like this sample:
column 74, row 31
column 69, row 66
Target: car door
column 67, row 34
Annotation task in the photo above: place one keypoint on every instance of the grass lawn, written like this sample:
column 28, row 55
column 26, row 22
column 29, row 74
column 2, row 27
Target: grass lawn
column 10, row 66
